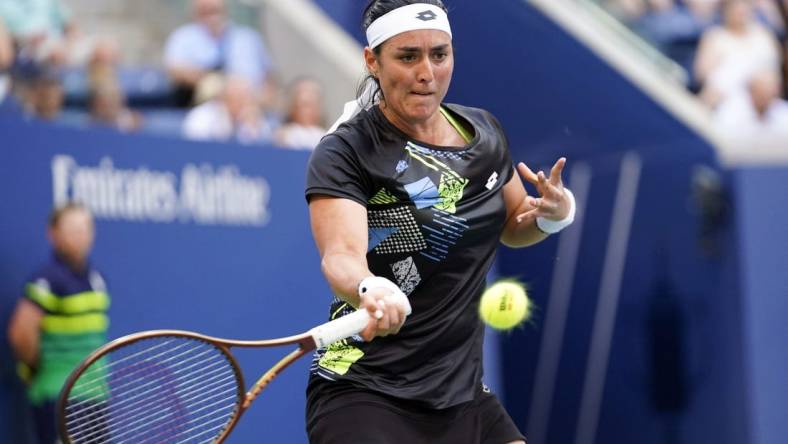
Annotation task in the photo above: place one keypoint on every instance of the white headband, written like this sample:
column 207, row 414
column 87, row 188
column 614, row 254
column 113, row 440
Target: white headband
column 407, row 18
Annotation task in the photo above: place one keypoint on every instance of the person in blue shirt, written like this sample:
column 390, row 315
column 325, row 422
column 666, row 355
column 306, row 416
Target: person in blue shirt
column 213, row 44
column 6, row 60
column 61, row 317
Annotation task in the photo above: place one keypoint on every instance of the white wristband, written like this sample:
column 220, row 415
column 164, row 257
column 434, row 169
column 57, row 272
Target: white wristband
column 372, row 282
column 550, row 226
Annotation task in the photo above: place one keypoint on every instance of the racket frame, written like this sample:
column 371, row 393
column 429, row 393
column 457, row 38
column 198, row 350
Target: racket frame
column 305, row 341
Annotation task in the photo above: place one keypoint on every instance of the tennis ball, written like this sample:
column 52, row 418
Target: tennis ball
column 504, row 305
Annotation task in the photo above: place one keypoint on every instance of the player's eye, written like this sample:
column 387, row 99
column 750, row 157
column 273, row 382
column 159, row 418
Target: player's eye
column 439, row 56
column 408, row 58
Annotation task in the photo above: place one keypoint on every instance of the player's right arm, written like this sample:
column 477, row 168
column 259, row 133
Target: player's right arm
column 23, row 331
column 339, row 227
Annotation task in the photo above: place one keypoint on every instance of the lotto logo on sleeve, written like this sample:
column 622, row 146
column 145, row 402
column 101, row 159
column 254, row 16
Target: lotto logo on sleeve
column 491, row 181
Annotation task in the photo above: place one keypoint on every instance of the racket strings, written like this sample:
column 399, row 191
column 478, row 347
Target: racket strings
column 97, row 401
column 130, row 420
column 98, row 387
column 132, row 425
column 201, row 422
column 159, row 389
column 165, row 427
column 98, row 398
column 87, row 384
column 131, row 416
column 98, row 420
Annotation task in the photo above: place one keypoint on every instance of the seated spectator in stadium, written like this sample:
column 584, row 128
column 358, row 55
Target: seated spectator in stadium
column 103, row 63
column 234, row 116
column 667, row 22
column 757, row 119
column 303, row 126
column 212, row 43
column 6, row 60
column 45, row 32
column 42, row 93
column 704, row 11
column 729, row 54
column 50, row 337
column 108, row 108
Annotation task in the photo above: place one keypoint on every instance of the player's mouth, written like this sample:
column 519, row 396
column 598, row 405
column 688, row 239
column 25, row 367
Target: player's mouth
column 422, row 93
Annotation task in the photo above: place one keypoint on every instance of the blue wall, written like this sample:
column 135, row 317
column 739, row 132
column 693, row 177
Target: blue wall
column 675, row 371
column 762, row 211
column 257, row 279
column 696, row 352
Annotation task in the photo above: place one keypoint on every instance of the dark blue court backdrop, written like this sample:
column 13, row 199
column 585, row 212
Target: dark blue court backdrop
column 696, row 345
column 694, row 354
column 173, row 256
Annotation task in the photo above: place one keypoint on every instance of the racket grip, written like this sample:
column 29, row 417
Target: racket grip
column 341, row 328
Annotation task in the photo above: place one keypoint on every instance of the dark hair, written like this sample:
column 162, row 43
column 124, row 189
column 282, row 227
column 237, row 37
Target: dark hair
column 374, row 10
column 57, row 213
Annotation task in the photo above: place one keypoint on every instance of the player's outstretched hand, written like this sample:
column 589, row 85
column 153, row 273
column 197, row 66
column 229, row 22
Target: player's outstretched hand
column 552, row 202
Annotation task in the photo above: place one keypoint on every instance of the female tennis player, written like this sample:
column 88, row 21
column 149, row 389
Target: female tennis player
column 408, row 199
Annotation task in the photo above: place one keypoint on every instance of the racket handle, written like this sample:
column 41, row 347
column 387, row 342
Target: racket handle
column 341, row 328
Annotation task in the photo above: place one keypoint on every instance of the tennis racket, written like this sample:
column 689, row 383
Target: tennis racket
column 171, row 386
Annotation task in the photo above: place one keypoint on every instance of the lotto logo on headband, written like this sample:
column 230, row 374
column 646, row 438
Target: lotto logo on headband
column 407, row 18
column 426, row 15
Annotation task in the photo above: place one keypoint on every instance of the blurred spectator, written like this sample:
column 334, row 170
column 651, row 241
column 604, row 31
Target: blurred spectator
column 303, row 126
column 48, row 336
column 729, row 54
column 667, row 22
column 212, row 43
column 45, row 32
column 632, row 11
column 705, row 11
column 234, row 115
column 107, row 101
column 758, row 118
column 6, row 59
column 103, row 63
column 108, row 107
column 42, row 93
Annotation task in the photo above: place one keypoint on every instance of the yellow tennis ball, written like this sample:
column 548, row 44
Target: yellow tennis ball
column 504, row 305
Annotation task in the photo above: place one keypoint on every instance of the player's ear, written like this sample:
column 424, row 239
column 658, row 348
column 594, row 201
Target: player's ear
column 371, row 61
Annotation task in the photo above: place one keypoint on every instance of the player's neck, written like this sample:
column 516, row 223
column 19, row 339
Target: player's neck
column 435, row 130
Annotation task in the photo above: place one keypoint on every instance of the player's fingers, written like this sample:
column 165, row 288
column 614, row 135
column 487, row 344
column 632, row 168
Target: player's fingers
column 555, row 203
column 394, row 321
column 543, row 184
column 369, row 303
column 397, row 318
column 396, row 312
column 555, row 172
column 372, row 305
column 384, row 322
column 526, row 173
column 548, row 206
column 534, row 202
column 536, row 207
column 528, row 216
column 554, row 191
column 370, row 331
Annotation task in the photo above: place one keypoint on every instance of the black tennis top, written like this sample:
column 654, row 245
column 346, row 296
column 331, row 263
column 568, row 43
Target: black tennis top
column 435, row 216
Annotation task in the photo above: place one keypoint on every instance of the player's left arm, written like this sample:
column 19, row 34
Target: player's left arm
column 522, row 210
